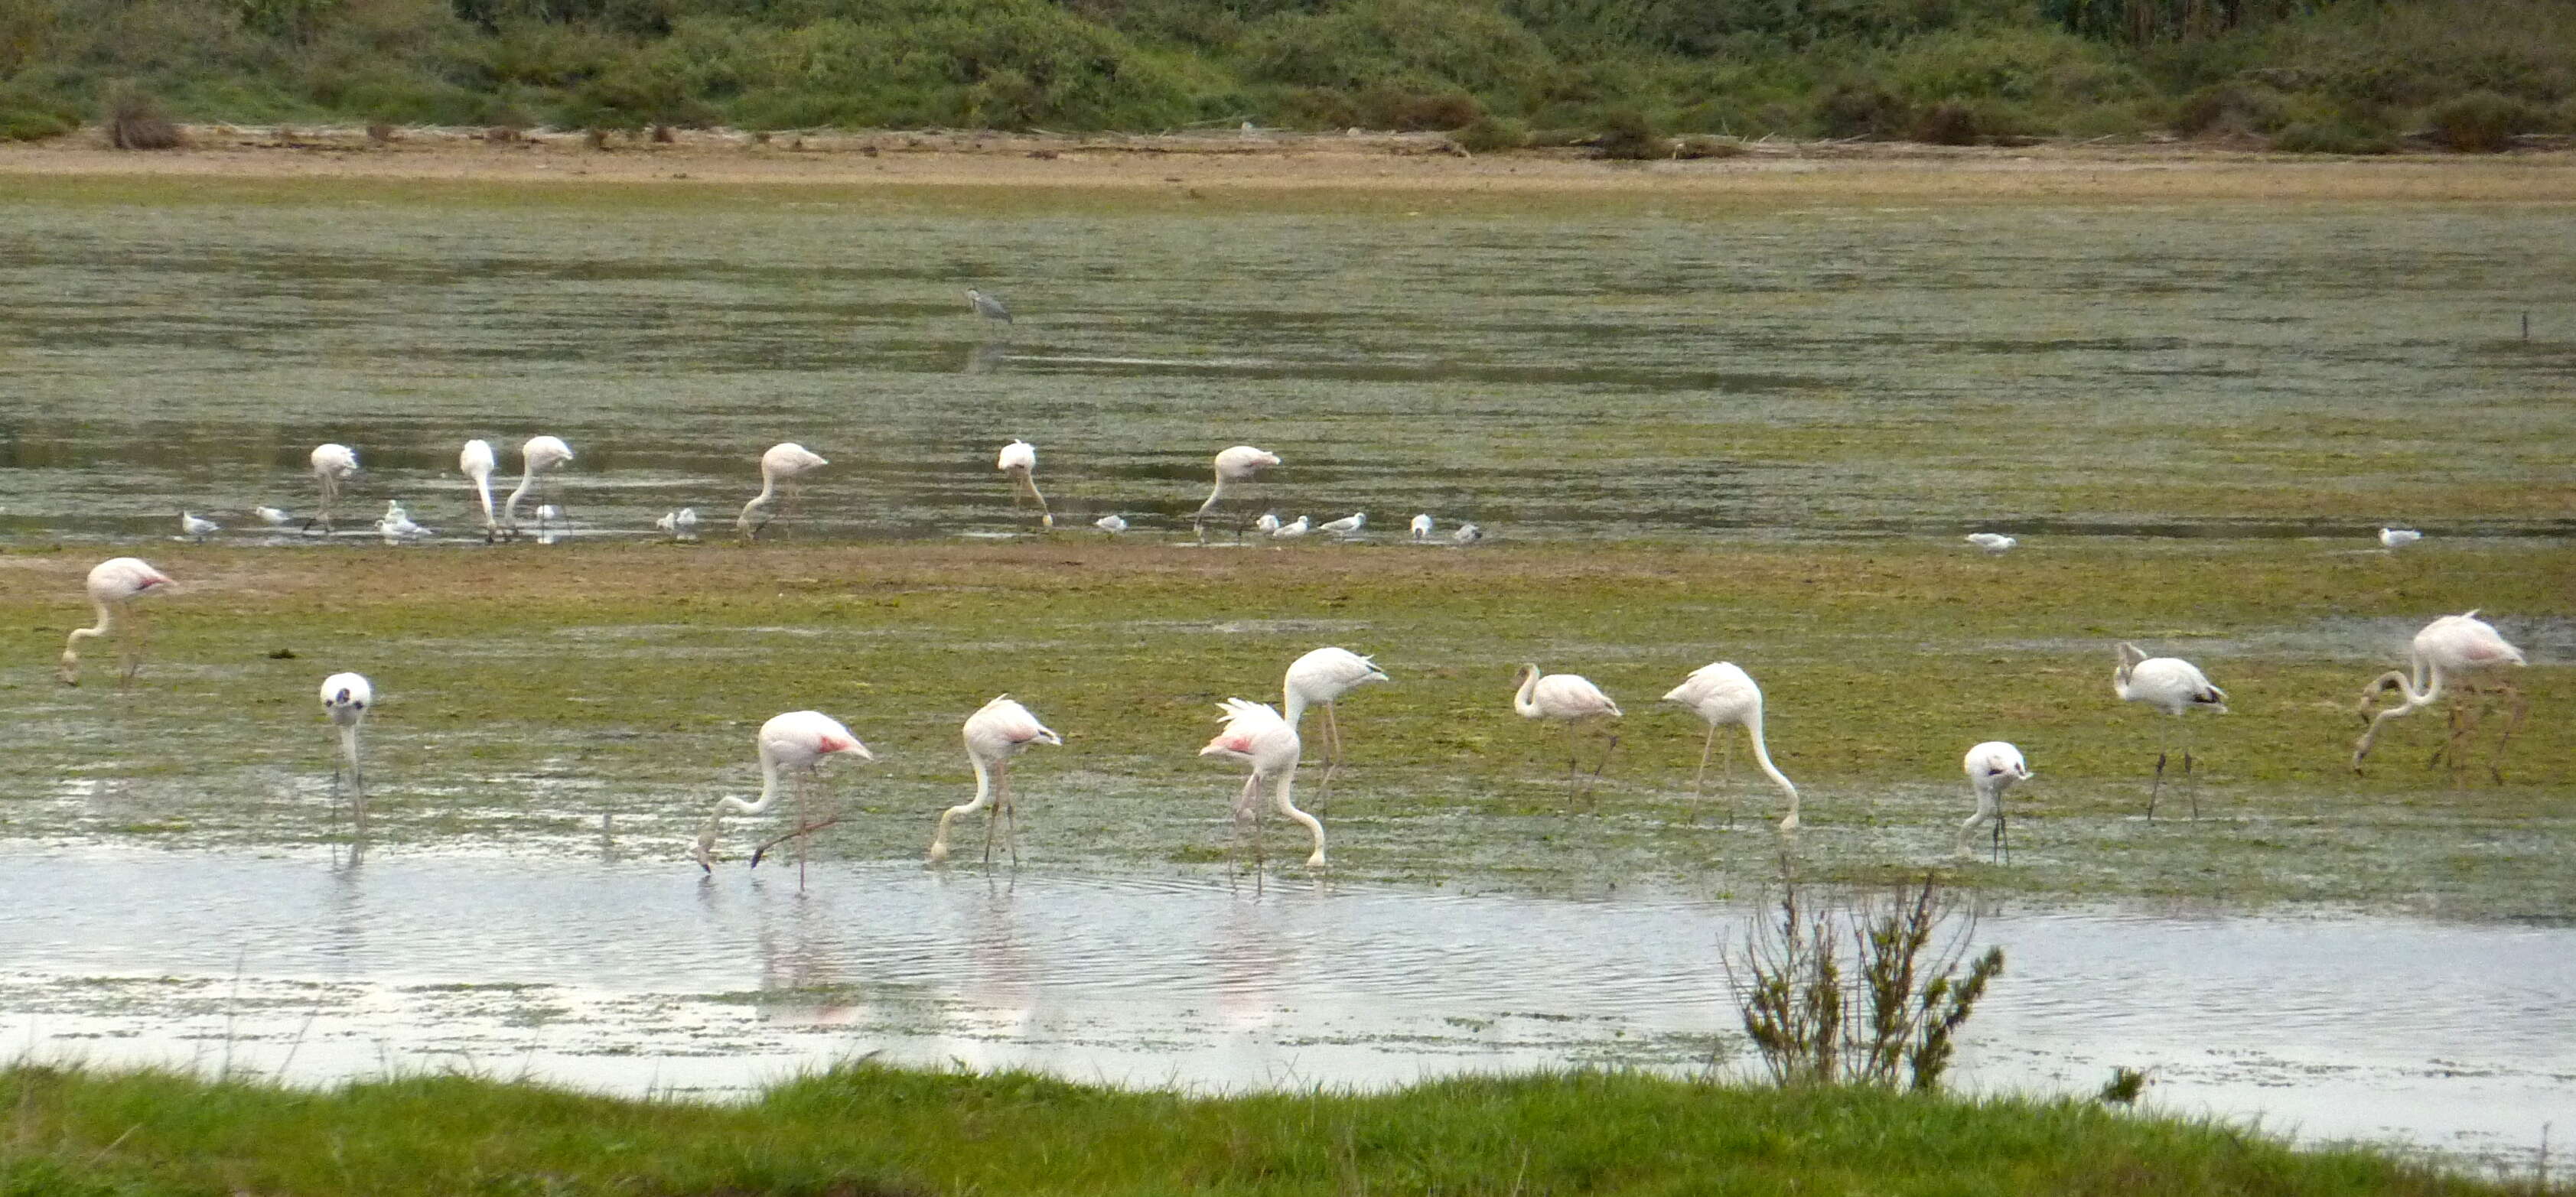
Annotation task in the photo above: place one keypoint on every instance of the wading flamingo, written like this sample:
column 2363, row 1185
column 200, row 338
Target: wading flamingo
column 1233, row 467
column 1992, row 767
column 994, row 735
column 2454, row 646
column 1722, row 693
column 332, row 465
column 113, row 585
column 1254, row 732
column 1568, row 699
column 345, row 698
column 1019, row 459
column 779, row 466
column 2171, row 686
column 476, row 462
column 1322, row 676
column 540, row 454
column 797, row 740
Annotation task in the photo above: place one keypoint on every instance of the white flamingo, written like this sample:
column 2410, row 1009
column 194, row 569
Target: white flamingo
column 994, row 734
column 1019, row 459
column 346, row 698
column 475, row 462
column 1992, row 768
column 1568, row 699
column 1323, row 676
column 2454, row 646
column 779, row 466
column 540, row 454
column 1255, row 733
column 1234, row 467
column 113, row 586
column 2171, row 686
column 1723, row 693
column 797, row 740
column 332, row 466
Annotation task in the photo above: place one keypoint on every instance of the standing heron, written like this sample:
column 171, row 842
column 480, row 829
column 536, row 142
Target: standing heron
column 1569, row 699
column 995, row 734
column 1234, row 467
column 332, row 466
column 797, row 740
column 2454, row 646
column 346, row 698
column 988, row 306
column 2169, row 685
column 540, row 454
column 1255, row 733
column 778, row 467
column 1723, row 693
column 1992, row 768
column 113, row 586
column 1019, row 459
column 1322, row 676
column 476, row 462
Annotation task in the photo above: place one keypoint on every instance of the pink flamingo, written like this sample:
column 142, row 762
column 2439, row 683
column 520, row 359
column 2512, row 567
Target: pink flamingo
column 113, row 585
column 1322, row 676
column 780, row 465
column 1722, row 693
column 1255, row 732
column 1019, row 459
column 2170, row 685
column 798, row 740
column 1568, row 699
column 1234, row 466
column 1992, row 768
column 995, row 734
column 2463, row 646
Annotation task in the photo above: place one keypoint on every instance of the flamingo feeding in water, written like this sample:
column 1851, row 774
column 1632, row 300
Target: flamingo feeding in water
column 994, row 734
column 2169, row 685
column 476, row 462
column 346, row 698
column 1255, row 733
column 332, row 466
column 1322, row 676
column 1019, row 459
column 1723, row 693
column 1234, row 467
column 113, row 586
column 2454, row 646
column 778, row 467
column 1992, row 768
column 1568, row 699
column 540, row 454
column 797, row 740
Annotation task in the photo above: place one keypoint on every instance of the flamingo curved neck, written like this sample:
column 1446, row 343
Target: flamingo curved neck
column 1522, row 700
column 483, row 494
column 527, row 478
column 768, row 792
column 1213, row 495
column 1762, row 757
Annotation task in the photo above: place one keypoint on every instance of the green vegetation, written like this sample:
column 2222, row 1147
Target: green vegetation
column 863, row 1130
column 2352, row 75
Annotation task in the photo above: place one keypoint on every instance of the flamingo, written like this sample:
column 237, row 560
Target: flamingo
column 2171, row 686
column 796, row 740
column 1254, row 732
column 1568, row 699
column 781, row 464
column 345, row 698
column 1019, row 459
column 1111, row 524
column 1992, row 542
column 332, row 465
column 2448, row 647
column 1348, row 525
column 540, row 454
column 113, row 585
column 994, row 735
column 196, row 528
column 988, row 306
column 1322, row 676
column 2395, row 538
column 476, row 464
column 1723, row 693
column 1234, row 466
column 1422, row 526
column 1992, row 768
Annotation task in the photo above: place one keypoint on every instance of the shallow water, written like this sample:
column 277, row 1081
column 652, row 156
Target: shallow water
column 1824, row 374
column 623, row 977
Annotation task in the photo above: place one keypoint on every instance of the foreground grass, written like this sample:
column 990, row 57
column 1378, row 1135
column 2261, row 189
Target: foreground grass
column 866, row 1130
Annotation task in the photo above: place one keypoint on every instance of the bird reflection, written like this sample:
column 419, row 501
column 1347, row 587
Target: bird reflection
column 986, row 357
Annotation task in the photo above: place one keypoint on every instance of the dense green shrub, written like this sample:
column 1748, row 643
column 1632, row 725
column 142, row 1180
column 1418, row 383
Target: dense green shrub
column 1492, row 133
column 1628, row 134
column 2312, row 137
column 33, row 117
column 2482, row 122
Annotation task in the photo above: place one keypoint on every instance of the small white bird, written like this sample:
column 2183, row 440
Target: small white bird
column 1348, row 525
column 681, row 524
column 270, row 516
column 1992, row 542
column 1422, row 526
column 196, row 528
column 394, row 510
column 1992, row 768
column 1290, row 531
column 1466, row 534
column 2390, row 538
column 1268, row 523
column 397, row 526
column 2172, row 686
column 547, row 513
column 1111, row 524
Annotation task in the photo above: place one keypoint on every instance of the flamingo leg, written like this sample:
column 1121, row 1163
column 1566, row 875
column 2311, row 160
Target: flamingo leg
column 131, row 641
column 1010, row 817
column 1699, row 780
column 2516, row 707
column 2164, row 741
column 1332, row 757
column 1573, row 771
column 2186, row 773
column 1606, row 750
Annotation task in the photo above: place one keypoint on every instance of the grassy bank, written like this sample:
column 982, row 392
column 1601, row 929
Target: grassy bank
column 522, row 702
column 869, row 1131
